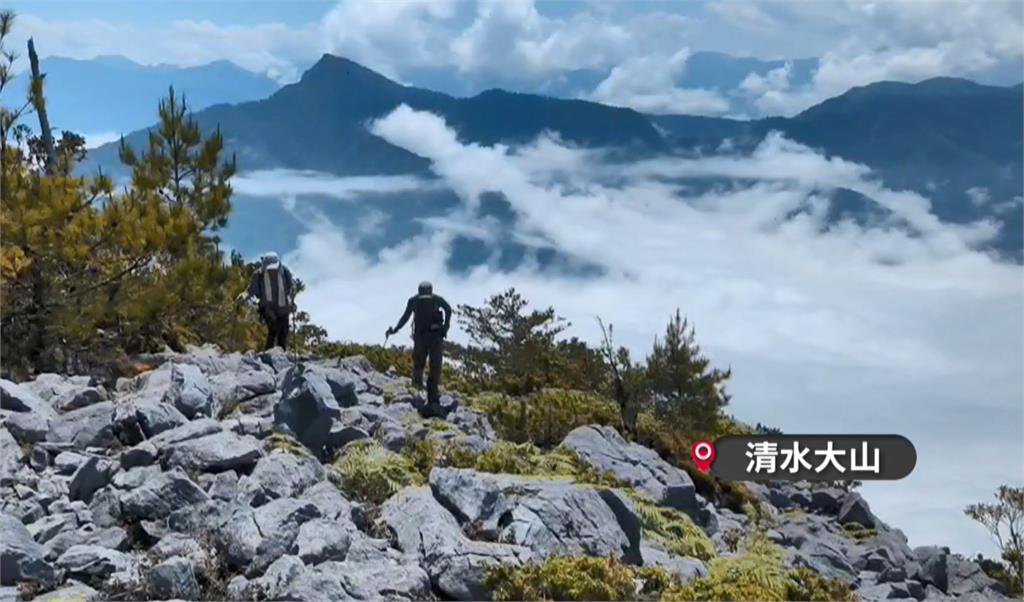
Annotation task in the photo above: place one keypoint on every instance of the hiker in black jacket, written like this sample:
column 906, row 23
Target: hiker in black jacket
column 273, row 286
column 430, row 327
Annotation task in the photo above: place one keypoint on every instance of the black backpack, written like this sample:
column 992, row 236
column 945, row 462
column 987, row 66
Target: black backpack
column 427, row 314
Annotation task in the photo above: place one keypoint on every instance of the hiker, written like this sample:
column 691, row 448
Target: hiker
column 272, row 286
column 429, row 328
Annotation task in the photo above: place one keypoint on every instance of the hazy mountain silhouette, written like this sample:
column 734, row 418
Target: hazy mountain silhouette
column 111, row 94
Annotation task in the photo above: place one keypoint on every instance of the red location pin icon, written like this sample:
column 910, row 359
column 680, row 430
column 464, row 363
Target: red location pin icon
column 703, row 453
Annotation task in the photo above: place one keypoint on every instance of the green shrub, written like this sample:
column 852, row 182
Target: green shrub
column 756, row 574
column 759, row 574
column 369, row 473
column 858, row 532
column 672, row 529
column 804, row 584
column 544, row 418
column 286, row 443
column 527, row 459
column 563, row 578
column 427, row 453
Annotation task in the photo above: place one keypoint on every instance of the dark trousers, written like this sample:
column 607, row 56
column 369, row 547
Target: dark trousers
column 277, row 327
column 426, row 345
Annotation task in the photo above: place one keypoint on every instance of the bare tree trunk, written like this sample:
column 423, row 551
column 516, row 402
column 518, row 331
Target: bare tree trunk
column 39, row 102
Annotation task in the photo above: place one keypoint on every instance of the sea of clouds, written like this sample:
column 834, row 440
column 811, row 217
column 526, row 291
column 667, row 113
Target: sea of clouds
column 905, row 327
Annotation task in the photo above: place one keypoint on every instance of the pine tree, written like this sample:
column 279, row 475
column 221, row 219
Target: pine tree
column 685, row 390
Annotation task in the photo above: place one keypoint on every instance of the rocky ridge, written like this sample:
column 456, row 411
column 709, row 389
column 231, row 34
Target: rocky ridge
column 169, row 485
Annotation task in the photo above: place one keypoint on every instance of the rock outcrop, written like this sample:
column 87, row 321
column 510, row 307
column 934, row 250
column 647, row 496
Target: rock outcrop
column 182, row 483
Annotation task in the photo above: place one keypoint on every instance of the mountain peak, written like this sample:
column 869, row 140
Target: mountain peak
column 331, row 66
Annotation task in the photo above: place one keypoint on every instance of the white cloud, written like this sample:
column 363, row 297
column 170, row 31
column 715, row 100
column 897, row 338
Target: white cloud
column 647, row 84
column 901, row 40
column 827, row 327
column 388, row 36
column 288, row 182
column 979, row 196
column 100, row 138
column 514, row 35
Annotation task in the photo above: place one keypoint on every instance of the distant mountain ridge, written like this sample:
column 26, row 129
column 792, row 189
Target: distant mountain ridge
column 319, row 123
column 939, row 137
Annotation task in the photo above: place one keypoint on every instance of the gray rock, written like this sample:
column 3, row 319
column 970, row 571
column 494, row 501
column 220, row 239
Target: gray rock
column 28, row 427
column 174, row 579
column 891, row 544
column 67, row 393
column 18, row 398
column 178, row 544
column 826, row 501
column 189, row 430
column 893, row 574
column 239, row 538
column 330, row 502
column 160, row 496
column 883, row 591
column 143, row 454
column 68, row 462
column 106, row 507
column 73, row 399
column 91, row 476
column 855, row 510
column 934, row 569
column 223, row 485
column 473, row 423
column 114, row 538
column 189, row 391
column 152, row 416
column 967, row 577
column 320, row 540
column 75, row 592
column 684, row 567
column 233, row 388
column 253, row 539
column 827, row 558
column 276, row 359
column 272, row 584
column 603, row 448
column 91, row 426
column 213, row 453
column 26, row 511
column 39, row 459
column 136, row 477
column 381, row 580
column 22, row 559
column 284, row 474
column 341, row 435
column 10, row 455
column 456, row 565
column 88, row 562
column 307, row 407
column 549, row 516
column 48, row 527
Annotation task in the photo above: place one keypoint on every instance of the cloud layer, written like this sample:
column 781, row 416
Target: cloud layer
column 903, row 327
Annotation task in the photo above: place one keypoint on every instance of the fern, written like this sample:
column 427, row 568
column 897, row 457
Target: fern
column 366, row 471
column 759, row 574
column 672, row 529
column 285, row 443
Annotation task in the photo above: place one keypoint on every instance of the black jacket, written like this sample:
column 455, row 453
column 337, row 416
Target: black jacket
column 427, row 312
